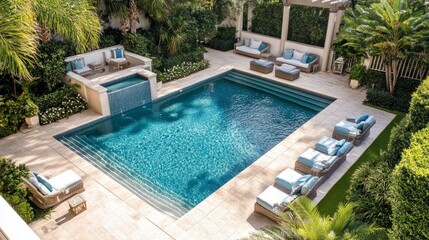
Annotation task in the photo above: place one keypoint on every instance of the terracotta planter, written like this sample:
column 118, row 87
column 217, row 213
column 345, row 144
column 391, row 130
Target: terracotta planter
column 354, row 84
column 159, row 85
column 32, row 121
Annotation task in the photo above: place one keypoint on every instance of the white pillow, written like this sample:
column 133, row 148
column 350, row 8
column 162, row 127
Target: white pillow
column 297, row 55
column 255, row 44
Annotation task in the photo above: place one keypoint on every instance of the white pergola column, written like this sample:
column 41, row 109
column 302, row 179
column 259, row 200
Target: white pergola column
column 239, row 22
column 285, row 26
column 249, row 17
column 328, row 39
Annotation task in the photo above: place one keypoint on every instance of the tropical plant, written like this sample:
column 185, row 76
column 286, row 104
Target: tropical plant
column 305, row 222
column 75, row 20
column 390, row 28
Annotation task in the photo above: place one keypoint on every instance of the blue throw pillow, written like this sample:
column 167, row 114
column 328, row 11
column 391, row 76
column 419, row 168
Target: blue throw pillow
column 296, row 186
column 361, row 118
column 304, row 58
column 78, row 64
column 44, row 182
column 288, row 54
column 69, row 67
column 340, row 143
column 310, row 59
column 119, row 53
column 309, row 185
column 262, row 47
column 367, row 122
column 360, row 125
column 345, row 148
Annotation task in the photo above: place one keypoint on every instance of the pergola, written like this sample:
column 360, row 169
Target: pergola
column 336, row 8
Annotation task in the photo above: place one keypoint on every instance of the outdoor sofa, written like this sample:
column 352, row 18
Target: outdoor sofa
column 63, row 186
column 272, row 200
column 354, row 130
column 303, row 61
column 251, row 48
column 325, row 159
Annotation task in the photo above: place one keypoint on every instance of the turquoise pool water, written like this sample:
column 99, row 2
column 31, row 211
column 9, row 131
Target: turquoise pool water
column 123, row 82
column 179, row 149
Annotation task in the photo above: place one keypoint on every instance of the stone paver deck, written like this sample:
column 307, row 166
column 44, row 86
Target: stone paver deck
column 115, row 213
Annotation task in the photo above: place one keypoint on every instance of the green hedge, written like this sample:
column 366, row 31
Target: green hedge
column 11, row 189
column 182, row 70
column 224, row 39
column 267, row 18
column 419, row 109
column 378, row 95
column 410, row 191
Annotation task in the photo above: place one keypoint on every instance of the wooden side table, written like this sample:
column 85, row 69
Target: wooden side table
column 96, row 67
column 77, row 204
column 267, row 56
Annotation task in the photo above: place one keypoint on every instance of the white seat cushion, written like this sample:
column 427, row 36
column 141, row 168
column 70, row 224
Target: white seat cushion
column 85, row 69
column 65, row 180
column 118, row 60
column 287, row 178
column 249, row 50
column 311, row 156
column 292, row 62
column 255, row 44
column 271, row 197
column 41, row 187
column 326, row 145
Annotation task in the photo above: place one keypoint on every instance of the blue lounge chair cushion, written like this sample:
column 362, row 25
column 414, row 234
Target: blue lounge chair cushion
column 296, row 186
column 262, row 62
column 345, row 148
column 327, row 145
column 360, row 125
column 286, row 201
column 368, row 122
column 287, row 178
column 271, row 198
column 288, row 54
column 346, row 127
column 288, row 70
column 43, row 181
column 311, row 156
column 308, row 185
column 341, row 142
column 361, row 118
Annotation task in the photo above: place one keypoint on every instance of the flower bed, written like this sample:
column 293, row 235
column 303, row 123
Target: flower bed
column 69, row 106
column 183, row 70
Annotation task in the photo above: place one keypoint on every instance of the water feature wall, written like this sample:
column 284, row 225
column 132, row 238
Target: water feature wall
column 130, row 97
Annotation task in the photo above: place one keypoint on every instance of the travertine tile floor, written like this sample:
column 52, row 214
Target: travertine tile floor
column 115, row 213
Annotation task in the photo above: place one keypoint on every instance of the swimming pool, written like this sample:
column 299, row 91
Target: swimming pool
column 181, row 148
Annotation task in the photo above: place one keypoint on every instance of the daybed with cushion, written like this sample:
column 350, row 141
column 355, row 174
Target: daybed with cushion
column 47, row 193
column 251, row 47
column 303, row 61
column 261, row 65
column 272, row 201
column 287, row 72
column 354, row 130
column 320, row 162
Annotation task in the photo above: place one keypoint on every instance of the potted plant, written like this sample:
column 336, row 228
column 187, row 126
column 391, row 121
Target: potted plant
column 31, row 113
column 357, row 75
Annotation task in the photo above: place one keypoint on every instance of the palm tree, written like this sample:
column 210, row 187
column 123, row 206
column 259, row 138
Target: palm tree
column 75, row 20
column 305, row 222
column 390, row 28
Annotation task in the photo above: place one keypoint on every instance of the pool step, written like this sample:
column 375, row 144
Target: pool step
column 291, row 90
column 302, row 98
column 139, row 184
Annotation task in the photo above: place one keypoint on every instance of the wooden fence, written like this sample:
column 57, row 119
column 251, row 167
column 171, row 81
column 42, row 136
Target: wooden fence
column 408, row 68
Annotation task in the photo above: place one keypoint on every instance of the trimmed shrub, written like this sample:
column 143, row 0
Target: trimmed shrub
column 136, row 43
column 182, row 70
column 410, row 191
column 13, row 113
column 195, row 56
column 399, row 140
column 106, row 41
column 11, row 189
column 384, row 99
column 419, row 109
column 224, row 39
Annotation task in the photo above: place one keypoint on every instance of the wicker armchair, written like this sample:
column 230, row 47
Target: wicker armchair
column 355, row 139
column 276, row 218
column 47, row 201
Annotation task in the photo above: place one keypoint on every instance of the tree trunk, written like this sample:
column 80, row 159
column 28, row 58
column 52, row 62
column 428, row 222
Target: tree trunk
column 45, row 33
column 387, row 74
column 133, row 16
column 395, row 75
column 124, row 25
